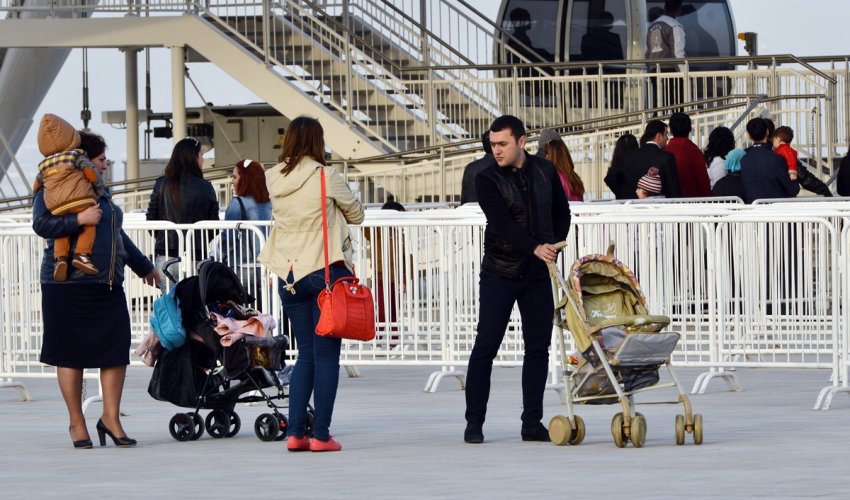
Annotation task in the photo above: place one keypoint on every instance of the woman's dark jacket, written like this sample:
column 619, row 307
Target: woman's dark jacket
column 729, row 185
column 524, row 207
column 112, row 250
column 197, row 202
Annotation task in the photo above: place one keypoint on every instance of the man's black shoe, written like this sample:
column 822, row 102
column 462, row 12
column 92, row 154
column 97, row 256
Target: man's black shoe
column 535, row 433
column 473, row 434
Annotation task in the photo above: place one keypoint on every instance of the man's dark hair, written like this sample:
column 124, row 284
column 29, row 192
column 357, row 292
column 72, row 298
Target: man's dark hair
column 485, row 142
column 653, row 128
column 771, row 128
column 510, row 122
column 757, row 129
column 680, row 125
column 391, row 204
column 672, row 6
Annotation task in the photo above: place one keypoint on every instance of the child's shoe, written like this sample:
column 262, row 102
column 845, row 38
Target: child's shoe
column 83, row 262
column 60, row 270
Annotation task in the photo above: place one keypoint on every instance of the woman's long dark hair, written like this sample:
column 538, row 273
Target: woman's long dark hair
column 558, row 153
column 720, row 142
column 93, row 144
column 304, row 138
column 252, row 181
column 182, row 164
column 624, row 143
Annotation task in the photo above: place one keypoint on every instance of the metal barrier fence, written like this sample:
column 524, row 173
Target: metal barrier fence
column 747, row 286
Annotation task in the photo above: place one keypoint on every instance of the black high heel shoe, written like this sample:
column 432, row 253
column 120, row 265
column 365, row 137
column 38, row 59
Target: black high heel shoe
column 121, row 442
column 82, row 444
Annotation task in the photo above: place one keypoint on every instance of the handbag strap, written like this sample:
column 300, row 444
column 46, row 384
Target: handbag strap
column 325, row 230
column 242, row 208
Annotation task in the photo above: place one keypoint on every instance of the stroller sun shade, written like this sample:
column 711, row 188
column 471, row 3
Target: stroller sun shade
column 604, row 288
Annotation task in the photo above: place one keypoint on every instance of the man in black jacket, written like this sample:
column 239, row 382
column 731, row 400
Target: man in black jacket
column 527, row 212
column 764, row 173
column 636, row 163
column 467, row 185
column 842, row 184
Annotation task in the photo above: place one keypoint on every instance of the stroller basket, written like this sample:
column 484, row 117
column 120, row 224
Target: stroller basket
column 267, row 352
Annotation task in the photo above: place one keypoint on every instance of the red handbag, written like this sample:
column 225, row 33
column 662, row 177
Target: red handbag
column 346, row 309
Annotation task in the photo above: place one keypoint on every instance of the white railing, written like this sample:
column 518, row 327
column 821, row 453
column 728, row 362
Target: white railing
column 748, row 286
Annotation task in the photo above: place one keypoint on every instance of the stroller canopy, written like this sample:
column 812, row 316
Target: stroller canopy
column 603, row 288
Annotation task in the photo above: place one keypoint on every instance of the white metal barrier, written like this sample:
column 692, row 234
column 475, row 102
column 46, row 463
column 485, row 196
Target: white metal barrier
column 748, row 286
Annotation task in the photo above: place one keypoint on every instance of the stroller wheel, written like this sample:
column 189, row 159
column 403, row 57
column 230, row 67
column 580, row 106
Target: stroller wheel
column 697, row 428
column 266, row 427
column 638, row 430
column 181, row 427
column 560, row 431
column 309, row 423
column 282, row 428
column 680, row 429
column 578, row 433
column 617, row 431
column 199, row 426
column 235, row 425
column 218, row 423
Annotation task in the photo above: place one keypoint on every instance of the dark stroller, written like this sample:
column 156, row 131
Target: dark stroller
column 203, row 374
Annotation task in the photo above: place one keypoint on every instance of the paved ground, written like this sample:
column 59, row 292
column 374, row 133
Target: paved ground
column 403, row 443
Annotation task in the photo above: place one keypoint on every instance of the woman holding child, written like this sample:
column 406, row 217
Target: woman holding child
column 86, row 322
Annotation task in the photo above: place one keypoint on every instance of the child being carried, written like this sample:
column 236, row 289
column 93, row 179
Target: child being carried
column 71, row 184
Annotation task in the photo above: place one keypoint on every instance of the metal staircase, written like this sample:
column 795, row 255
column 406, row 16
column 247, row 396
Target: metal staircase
column 371, row 66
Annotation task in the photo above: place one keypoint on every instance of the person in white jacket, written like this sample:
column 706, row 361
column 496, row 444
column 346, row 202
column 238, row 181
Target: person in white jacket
column 294, row 252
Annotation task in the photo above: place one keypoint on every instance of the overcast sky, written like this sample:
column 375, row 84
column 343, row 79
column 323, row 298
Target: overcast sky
column 799, row 27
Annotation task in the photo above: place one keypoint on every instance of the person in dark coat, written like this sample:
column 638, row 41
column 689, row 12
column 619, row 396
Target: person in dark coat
column 763, row 172
column 467, row 185
column 182, row 196
column 651, row 154
column 842, row 180
column 614, row 178
column 527, row 213
column 86, row 320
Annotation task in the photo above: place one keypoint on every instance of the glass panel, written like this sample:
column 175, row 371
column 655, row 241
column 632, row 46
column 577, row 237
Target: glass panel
column 708, row 27
column 598, row 30
column 534, row 23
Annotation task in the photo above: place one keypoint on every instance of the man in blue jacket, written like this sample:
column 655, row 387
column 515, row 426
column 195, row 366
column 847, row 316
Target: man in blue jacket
column 764, row 173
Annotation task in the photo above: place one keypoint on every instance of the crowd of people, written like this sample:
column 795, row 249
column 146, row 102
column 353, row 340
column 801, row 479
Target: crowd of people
column 768, row 168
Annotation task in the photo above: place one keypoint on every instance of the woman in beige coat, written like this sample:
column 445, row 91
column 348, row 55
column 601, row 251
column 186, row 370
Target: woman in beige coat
column 294, row 252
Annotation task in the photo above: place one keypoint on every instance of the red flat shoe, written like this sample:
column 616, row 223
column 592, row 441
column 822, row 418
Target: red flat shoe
column 295, row 443
column 329, row 445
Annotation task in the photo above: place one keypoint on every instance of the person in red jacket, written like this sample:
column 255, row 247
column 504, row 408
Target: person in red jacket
column 782, row 138
column 690, row 161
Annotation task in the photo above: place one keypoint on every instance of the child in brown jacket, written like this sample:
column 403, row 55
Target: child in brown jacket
column 71, row 184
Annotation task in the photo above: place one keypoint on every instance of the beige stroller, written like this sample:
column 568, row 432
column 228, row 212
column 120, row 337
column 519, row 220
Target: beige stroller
column 621, row 348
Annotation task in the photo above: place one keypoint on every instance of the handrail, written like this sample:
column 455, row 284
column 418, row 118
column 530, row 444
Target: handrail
column 813, row 69
column 643, row 63
column 758, row 100
column 572, row 128
column 425, row 30
column 567, row 129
